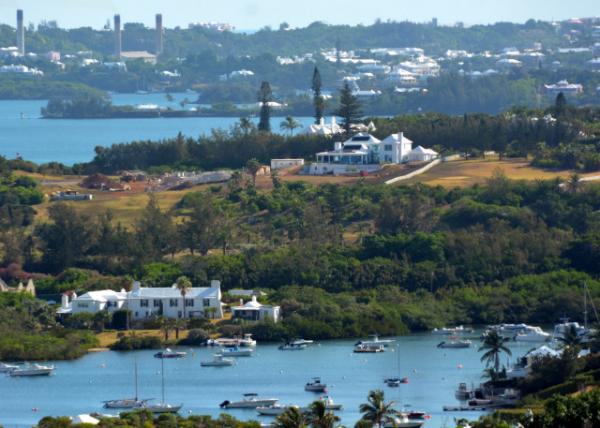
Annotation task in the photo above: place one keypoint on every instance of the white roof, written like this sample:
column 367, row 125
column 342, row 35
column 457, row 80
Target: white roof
column 396, row 138
column 543, row 351
column 362, row 137
column 173, row 293
column 103, row 295
column 421, row 149
column 252, row 305
column 85, row 419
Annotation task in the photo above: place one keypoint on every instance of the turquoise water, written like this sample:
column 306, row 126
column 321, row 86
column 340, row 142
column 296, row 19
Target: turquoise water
column 80, row 386
column 71, row 141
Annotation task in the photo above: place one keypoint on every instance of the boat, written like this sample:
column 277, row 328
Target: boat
column 416, row 415
column 329, row 403
column 5, row 368
column 374, row 340
column 168, row 353
column 393, row 382
column 32, row 370
column 463, row 393
column 289, row 346
column 162, row 407
column 449, row 331
column 365, row 349
column 455, row 343
column 218, row 361
column 128, row 403
column 315, row 385
column 532, row 334
column 247, row 340
column 302, row 342
column 236, row 352
column 273, row 410
column 402, row 421
column 250, row 401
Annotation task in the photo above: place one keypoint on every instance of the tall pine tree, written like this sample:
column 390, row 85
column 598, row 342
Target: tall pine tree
column 264, row 97
column 349, row 110
column 318, row 101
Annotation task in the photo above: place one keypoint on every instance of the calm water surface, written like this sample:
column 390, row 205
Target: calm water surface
column 80, row 386
column 70, row 141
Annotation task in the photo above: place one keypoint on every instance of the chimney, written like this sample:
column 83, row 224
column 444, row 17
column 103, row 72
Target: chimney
column 117, row 26
column 20, row 33
column 159, row 35
column 64, row 301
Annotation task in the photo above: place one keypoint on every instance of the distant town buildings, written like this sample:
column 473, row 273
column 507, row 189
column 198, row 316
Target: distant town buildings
column 29, row 288
column 565, row 87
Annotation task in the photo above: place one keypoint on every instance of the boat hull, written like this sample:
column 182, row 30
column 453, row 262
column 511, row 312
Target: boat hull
column 250, row 404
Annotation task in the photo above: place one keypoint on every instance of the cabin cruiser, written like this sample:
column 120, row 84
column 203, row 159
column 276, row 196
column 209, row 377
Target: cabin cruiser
column 126, row 403
column 302, row 342
column 250, row 401
column 168, row 353
column 374, row 340
column 217, row 361
column 315, row 386
column 445, row 331
column 273, row 410
column 561, row 328
column 247, row 340
column 237, row 352
column 289, row 346
column 32, row 370
column 368, row 349
column 455, row 343
column 5, row 368
column 508, row 330
column 532, row 334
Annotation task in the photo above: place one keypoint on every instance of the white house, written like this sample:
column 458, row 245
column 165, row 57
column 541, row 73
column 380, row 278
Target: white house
column 149, row 302
column 362, row 153
column 565, row 87
column 421, row 154
column 253, row 310
column 286, row 163
column 324, row 129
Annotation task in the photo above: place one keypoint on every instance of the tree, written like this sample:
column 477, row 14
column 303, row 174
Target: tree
column 289, row 124
column 246, row 125
column 253, row 166
column 201, row 231
column 570, row 338
column 291, row 418
column 560, row 104
column 265, row 97
column 183, row 284
column 320, row 417
column 574, row 183
column 318, row 101
column 349, row 109
column 494, row 345
column 376, row 410
column 276, row 179
column 155, row 232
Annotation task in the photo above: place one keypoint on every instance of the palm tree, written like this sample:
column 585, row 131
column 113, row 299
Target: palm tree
column 183, row 284
column 376, row 410
column 253, row 166
column 289, row 124
column 291, row 418
column 320, row 417
column 574, row 183
column 166, row 325
column 246, row 125
column 494, row 345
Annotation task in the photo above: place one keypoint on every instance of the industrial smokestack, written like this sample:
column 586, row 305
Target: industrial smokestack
column 118, row 36
column 20, row 33
column 159, row 35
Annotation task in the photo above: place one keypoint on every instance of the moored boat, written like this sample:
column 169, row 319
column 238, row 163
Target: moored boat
column 217, row 361
column 250, row 401
column 32, row 370
column 168, row 353
column 532, row 334
column 5, row 367
column 315, row 385
column 125, row 403
column 273, row 410
column 161, row 408
column 290, row 346
column 247, row 340
column 402, row 421
column 237, row 352
column 375, row 341
column 395, row 381
column 455, row 344
column 366, row 349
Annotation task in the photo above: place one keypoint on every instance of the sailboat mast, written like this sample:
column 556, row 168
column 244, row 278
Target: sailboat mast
column 162, row 372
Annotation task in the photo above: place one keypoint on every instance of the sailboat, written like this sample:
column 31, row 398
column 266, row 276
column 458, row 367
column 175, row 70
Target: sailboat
column 393, row 382
column 128, row 403
column 162, row 407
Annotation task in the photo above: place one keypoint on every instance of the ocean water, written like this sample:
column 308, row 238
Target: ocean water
column 23, row 132
column 80, row 386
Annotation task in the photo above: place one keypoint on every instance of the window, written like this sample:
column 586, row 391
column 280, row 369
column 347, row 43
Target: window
column 189, row 302
column 173, row 303
column 388, row 148
column 206, row 302
column 156, row 303
column 144, row 303
column 82, row 305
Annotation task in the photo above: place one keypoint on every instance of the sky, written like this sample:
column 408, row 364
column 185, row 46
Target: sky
column 255, row 14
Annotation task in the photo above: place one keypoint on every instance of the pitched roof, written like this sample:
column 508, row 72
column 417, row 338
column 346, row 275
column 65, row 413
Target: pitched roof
column 173, row 293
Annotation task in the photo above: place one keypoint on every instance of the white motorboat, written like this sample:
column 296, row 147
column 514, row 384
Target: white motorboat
column 168, row 353
column 315, row 386
column 32, row 370
column 561, row 328
column 161, row 408
column 302, row 342
column 5, row 368
column 394, row 382
column 449, row 331
column 273, row 410
column 291, row 347
column 532, row 334
column 329, row 403
column 366, row 349
column 237, row 352
column 374, row 340
column 250, row 401
column 402, row 421
column 218, row 361
column 455, row 343
column 247, row 340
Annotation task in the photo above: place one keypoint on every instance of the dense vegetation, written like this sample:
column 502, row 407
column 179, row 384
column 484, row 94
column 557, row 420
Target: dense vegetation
column 42, row 89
